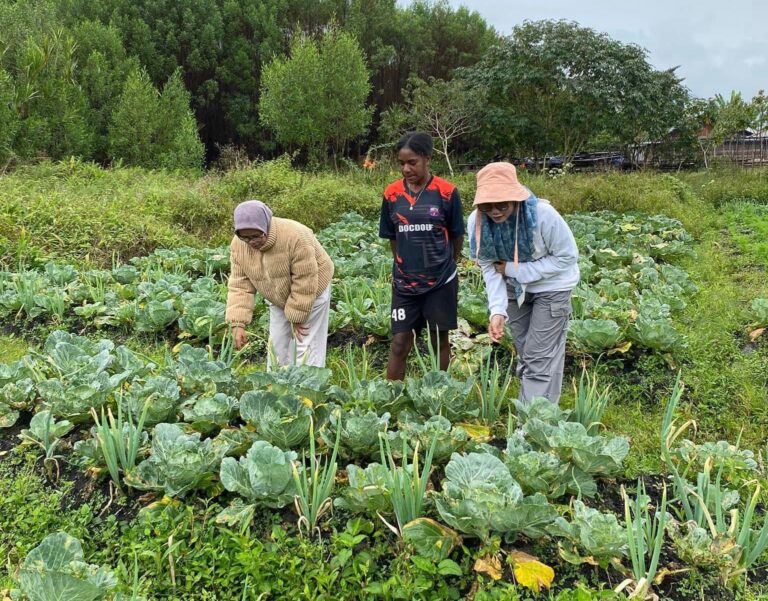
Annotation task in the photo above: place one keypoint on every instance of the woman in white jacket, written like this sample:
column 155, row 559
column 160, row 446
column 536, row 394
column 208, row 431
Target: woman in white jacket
column 529, row 260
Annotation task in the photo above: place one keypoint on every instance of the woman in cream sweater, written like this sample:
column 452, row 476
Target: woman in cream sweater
column 282, row 260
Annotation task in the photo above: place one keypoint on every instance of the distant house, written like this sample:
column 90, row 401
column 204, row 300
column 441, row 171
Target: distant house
column 747, row 147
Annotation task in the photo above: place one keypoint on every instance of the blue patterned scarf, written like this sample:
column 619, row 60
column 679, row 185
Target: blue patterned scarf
column 497, row 240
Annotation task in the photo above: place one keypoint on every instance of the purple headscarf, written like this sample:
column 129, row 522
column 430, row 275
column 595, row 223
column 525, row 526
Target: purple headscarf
column 253, row 214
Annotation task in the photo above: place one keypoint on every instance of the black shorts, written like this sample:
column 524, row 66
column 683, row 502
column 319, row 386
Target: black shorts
column 437, row 308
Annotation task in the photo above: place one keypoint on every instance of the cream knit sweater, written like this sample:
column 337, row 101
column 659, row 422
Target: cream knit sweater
column 291, row 270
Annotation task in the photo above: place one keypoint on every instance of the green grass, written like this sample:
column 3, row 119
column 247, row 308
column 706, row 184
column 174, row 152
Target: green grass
column 12, row 348
column 30, row 509
column 724, row 185
column 748, row 226
column 725, row 375
column 80, row 212
column 83, row 213
column 184, row 554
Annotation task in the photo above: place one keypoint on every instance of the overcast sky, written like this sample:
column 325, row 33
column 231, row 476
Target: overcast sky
column 720, row 45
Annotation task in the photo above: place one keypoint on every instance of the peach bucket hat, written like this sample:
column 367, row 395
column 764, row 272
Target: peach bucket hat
column 497, row 182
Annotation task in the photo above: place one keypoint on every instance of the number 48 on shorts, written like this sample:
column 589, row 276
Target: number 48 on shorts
column 398, row 314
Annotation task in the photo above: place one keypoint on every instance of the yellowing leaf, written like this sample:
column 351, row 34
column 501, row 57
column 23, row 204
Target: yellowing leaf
column 477, row 432
column 755, row 334
column 621, row 349
column 307, row 402
column 164, row 502
column 530, row 572
column 491, row 566
column 571, row 556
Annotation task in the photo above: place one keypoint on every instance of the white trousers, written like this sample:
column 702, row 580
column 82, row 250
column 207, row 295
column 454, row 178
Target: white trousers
column 311, row 350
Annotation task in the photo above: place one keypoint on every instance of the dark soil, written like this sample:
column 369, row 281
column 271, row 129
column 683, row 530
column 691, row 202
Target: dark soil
column 14, row 328
column 86, row 489
column 10, row 436
column 746, row 344
column 609, row 498
column 347, row 337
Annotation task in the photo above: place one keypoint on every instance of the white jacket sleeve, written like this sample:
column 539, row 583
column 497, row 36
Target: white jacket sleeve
column 495, row 284
column 562, row 252
column 495, row 289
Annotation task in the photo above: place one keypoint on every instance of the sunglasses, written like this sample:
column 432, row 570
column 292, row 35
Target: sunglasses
column 487, row 207
column 258, row 236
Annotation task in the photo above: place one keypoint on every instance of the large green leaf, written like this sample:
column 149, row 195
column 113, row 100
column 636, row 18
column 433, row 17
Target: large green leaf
column 263, row 476
column 55, row 571
column 430, row 538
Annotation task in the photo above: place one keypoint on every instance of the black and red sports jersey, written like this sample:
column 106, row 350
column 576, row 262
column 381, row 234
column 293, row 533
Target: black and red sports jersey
column 422, row 224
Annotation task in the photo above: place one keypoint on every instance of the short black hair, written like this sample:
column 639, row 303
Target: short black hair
column 417, row 141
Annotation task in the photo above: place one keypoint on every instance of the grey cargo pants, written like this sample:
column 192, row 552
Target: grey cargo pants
column 539, row 327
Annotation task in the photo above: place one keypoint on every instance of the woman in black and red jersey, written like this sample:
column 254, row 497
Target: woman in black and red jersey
column 421, row 217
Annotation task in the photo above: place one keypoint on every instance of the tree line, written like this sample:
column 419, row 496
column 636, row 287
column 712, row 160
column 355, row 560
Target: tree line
column 169, row 83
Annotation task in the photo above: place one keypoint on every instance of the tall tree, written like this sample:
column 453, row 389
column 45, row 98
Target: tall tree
column 223, row 45
column 553, row 85
column 153, row 130
column 698, row 124
column 734, row 114
column 424, row 39
column 446, row 109
column 102, row 68
column 51, row 105
column 178, row 142
column 315, row 97
column 134, row 122
column 760, row 110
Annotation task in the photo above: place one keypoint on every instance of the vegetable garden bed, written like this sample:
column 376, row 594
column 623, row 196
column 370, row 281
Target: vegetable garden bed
column 474, row 490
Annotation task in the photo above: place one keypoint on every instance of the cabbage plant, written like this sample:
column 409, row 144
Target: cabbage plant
column 480, row 497
column 264, row 477
column 55, row 570
column 595, row 455
column 447, row 438
column 591, row 537
column 161, row 396
column 280, row 419
column 178, row 464
column 594, row 335
column 436, row 393
column 367, row 490
column 358, row 432
column 17, row 391
column 210, row 412
column 197, row 372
